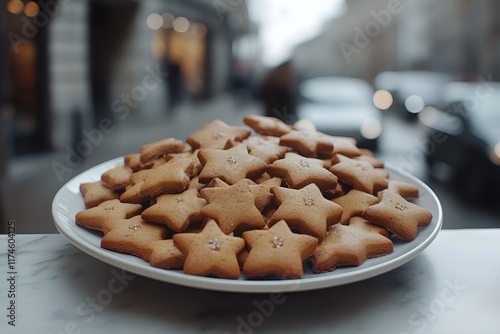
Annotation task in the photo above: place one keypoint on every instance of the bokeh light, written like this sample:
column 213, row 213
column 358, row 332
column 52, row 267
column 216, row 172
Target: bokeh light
column 31, row 9
column 154, row 21
column 414, row 104
column 382, row 99
column 15, row 6
column 181, row 24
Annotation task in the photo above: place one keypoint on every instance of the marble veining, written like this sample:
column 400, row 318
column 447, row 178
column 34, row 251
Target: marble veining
column 451, row 287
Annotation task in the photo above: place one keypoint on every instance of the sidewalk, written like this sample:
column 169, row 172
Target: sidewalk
column 31, row 182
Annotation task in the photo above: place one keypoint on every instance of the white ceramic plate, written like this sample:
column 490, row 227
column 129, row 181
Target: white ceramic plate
column 68, row 201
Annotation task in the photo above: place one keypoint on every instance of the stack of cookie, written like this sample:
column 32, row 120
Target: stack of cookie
column 234, row 203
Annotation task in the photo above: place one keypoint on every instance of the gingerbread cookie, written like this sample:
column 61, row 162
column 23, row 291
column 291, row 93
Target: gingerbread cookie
column 216, row 134
column 117, row 178
column 94, row 193
column 267, row 149
column 267, row 126
column 354, row 203
column 241, row 212
column 406, row 190
column 305, row 209
column 172, row 177
column 308, row 143
column 165, row 255
column 398, row 215
column 361, row 175
column 93, row 218
column 299, row 171
column 348, row 246
column 176, row 211
column 159, row 148
column 365, row 225
column 210, row 252
column 131, row 236
column 277, row 251
column 230, row 165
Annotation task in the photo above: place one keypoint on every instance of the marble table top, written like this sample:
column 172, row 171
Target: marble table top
column 52, row 287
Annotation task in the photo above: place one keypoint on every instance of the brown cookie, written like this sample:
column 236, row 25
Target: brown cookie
column 165, row 255
column 267, row 149
column 354, row 203
column 360, row 222
column 306, row 210
column 262, row 192
column 398, row 215
column 299, row 171
column 361, row 175
column 367, row 155
column 131, row 236
column 94, row 193
column 308, row 143
column 176, row 211
column 133, row 161
column 267, row 126
column 349, row 246
column 159, row 148
column 344, row 145
column 232, row 207
column 277, row 251
column 210, row 252
column 404, row 189
column 230, row 165
column 216, row 134
column 172, row 177
column 93, row 218
column 117, row 178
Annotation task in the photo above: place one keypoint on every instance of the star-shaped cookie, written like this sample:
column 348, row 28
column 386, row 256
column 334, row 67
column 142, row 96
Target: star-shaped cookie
column 398, row 215
column 172, row 177
column 267, row 149
column 216, row 134
column 406, row 190
column 361, row 175
column 299, row 171
column 131, row 236
column 229, row 165
column 277, row 251
column 360, row 222
column 117, row 178
column 93, row 218
column 232, row 207
column 344, row 145
column 307, row 142
column 94, row 193
column 159, row 148
column 165, row 255
column 305, row 209
column 348, row 246
column 210, row 252
column 267, row 126
column 354, row 203
column 176, row 211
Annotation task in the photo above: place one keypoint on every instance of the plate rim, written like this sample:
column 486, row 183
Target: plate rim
column 143, row 268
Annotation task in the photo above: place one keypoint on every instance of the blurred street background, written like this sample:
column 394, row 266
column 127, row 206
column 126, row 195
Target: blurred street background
column 85, row 81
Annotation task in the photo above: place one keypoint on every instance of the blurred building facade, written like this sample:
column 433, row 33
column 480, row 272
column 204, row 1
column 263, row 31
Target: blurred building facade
column 461, row 38
column 66, row 65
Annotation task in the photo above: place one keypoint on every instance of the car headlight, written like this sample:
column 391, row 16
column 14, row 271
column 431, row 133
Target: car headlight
column 371, row 128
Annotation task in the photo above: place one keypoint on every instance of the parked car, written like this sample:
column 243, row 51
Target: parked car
column 412, row 91
column 341, row 106
column 464, row 138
